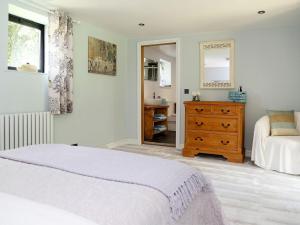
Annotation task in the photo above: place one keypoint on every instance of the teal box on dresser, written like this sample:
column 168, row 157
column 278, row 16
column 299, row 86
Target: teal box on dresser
column 237, row 96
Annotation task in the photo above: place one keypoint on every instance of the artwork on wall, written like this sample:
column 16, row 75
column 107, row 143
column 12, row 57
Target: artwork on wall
column 102, row 57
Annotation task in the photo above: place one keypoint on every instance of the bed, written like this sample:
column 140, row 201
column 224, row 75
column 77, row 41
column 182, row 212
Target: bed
column 100, row 201
column 30, row 213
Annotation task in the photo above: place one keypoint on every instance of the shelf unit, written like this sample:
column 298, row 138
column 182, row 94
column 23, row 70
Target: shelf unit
column 150, row 121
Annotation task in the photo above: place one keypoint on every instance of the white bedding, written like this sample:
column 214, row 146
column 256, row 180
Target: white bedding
column 100, row 201
column 19, row 211
column 178, row 182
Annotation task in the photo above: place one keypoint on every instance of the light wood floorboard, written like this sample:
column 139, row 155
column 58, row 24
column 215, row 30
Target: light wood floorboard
column 249, row 195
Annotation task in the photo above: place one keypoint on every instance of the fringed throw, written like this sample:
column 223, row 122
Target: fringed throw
column 179, row 182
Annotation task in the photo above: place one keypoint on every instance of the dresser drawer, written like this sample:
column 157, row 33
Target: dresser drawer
column 221, row 141
column 198, row 109
column 212, row 124
column 224, row 110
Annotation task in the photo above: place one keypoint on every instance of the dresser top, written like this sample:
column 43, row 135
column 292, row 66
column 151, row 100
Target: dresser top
column 213, row 103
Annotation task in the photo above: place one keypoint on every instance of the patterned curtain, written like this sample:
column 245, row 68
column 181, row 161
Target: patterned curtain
column 60, row 91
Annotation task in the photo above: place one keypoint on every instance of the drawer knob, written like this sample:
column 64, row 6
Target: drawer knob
column 199, row 110
column 225, row 142
column 225, row 111
column 198, row 138
column 225, row 125
column 199, row 124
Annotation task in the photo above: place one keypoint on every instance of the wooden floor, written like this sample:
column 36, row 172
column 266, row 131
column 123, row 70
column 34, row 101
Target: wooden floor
column 249, row 195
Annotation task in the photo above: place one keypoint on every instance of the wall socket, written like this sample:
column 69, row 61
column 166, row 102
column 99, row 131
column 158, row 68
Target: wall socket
column 186, row 91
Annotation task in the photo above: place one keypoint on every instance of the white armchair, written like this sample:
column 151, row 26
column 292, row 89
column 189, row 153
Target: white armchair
column 280, row 153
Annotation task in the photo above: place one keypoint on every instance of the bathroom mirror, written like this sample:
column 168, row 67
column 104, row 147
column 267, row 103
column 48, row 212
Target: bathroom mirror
column 217, row 64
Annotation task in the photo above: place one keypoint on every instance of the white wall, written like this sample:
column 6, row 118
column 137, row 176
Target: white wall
column 168, row 93
column 99, row 106
column 267, row 66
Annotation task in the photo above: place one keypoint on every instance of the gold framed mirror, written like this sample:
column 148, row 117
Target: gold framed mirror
column 217, row 64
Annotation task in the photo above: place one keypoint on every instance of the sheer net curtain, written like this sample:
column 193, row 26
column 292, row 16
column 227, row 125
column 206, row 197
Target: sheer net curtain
column 60, row 91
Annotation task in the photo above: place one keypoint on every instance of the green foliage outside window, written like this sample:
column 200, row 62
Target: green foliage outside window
column 23, row 45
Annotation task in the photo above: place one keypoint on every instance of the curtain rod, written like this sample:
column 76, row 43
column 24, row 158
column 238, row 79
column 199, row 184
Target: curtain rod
column 39, row 7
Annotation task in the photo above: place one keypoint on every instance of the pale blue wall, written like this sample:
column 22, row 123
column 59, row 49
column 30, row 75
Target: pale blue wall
column 19, row 92
column 267, row 66
column 105, row 107
column 99, row 110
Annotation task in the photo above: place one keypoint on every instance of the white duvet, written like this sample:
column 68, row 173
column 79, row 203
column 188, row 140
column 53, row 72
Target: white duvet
column 19, row 211
column 99, row 201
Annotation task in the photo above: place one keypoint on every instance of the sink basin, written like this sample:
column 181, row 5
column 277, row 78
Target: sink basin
column 151, row 101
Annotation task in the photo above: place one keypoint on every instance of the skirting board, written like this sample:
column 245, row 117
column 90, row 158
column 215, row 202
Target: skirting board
column 129, row 142
column 248, row 153
column 135, row 142
column 122, row 142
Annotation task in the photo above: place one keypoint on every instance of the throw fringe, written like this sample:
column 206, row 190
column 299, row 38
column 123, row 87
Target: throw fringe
column 185, row 194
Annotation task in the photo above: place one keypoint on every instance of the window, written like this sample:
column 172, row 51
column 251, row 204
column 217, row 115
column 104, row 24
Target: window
column 165, row 73
column 26, row 42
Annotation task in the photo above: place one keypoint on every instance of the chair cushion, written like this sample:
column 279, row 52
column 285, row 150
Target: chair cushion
column 282, row 123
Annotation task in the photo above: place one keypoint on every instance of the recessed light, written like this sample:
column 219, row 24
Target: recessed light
column 261, row 12
column 141, row 24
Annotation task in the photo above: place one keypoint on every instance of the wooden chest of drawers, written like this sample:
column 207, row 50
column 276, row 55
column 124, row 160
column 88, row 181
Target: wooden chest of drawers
column 215, row 128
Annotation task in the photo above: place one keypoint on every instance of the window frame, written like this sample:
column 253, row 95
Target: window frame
column 41, row 27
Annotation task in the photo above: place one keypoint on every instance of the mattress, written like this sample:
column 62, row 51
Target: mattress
column 100, row 201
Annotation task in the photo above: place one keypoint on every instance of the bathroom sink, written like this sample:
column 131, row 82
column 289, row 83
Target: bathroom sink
column 151, row 101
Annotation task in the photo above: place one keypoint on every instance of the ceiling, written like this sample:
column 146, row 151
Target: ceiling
column 166, row 49
column 169, row 50
column 170, row 17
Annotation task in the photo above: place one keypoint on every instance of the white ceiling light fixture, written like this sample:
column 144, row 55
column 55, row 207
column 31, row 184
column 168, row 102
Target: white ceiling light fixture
column 261, row 12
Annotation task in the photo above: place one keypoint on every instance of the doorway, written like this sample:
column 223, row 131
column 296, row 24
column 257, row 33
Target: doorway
column 159, row 94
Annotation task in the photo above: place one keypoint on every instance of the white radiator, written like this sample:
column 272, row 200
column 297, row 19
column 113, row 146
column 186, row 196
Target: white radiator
column 22, row 129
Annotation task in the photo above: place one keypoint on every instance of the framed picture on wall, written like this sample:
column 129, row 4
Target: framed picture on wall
column 102, row 57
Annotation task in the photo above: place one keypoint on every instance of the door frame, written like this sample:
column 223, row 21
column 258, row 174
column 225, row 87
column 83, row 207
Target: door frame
column 140, row 87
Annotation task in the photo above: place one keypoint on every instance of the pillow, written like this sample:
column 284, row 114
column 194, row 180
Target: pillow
column 283, row 123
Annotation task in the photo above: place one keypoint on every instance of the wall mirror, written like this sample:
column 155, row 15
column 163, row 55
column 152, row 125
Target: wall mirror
column 217, row 64
column 150, row 69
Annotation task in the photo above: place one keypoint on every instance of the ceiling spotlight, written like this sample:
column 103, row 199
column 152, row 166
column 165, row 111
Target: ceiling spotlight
column 261, row 12
column 141, row 24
